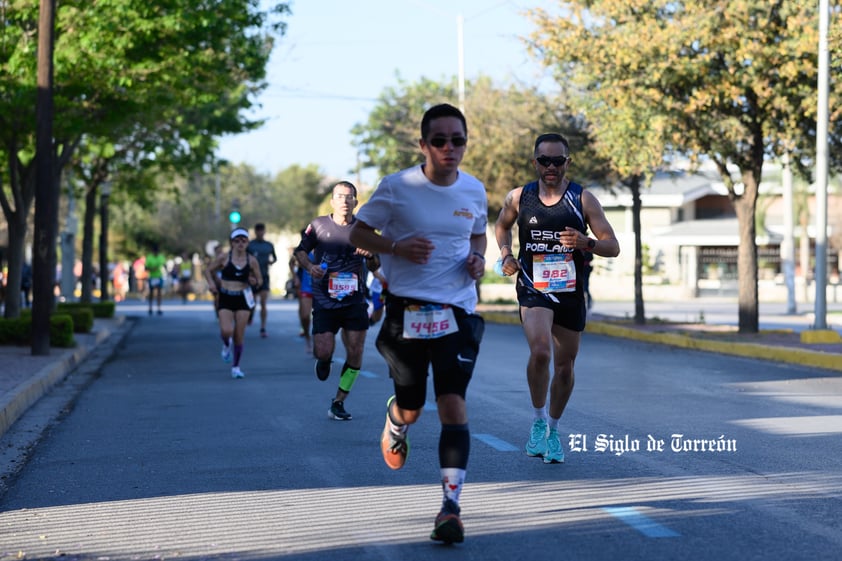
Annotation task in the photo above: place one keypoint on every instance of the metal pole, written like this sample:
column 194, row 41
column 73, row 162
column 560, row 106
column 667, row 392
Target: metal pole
column 460, row 24
column 68, row 246
column 821, row 169
column 105, row 192
column 788, row 244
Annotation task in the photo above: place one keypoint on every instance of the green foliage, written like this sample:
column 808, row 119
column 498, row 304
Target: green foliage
column 190, row 211
column 61, row 331
column 732, row 82
column 300, row 192
column 15, row 331
column 140, row 90
column 502, row 126
column 18, row 331
column 99, row 310
column 81, row 314
column 388, row 141
column 83, row 319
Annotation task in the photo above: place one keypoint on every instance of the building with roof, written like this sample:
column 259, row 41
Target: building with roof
column 690, row 235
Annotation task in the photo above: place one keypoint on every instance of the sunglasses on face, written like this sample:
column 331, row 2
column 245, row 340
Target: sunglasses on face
column 440, row 141
column 557, row 161
column 340, row 197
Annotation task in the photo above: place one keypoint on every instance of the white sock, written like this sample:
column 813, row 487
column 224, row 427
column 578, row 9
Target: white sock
column 452, row 480
column 540, row 413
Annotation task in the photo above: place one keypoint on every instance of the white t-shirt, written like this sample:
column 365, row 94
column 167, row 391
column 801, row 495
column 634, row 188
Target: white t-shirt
column 407, row 204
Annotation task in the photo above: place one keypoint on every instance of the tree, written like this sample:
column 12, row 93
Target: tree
column 733, row 80
column 300, row 189
column 189, row 211
column 503, row 123
column 46, row 194
column 182, row 69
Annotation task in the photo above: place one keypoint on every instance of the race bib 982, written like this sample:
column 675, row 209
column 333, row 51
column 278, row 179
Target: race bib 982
column 554, row 272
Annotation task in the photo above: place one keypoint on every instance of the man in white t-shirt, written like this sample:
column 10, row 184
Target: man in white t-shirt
column 432, row 221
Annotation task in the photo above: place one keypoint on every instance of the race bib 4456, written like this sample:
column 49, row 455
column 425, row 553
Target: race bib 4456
column 428, row 322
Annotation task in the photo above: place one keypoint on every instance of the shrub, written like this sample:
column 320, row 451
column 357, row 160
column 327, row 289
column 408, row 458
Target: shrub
column 18, row 331
column 83, row 317
column 100, row 309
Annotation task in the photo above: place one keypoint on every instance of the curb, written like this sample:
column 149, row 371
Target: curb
column 802, row 357
column 16, row 402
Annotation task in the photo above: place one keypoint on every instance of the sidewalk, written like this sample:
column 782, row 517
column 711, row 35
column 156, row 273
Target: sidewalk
column 710, row 324
column 25, row 378
column 702, row 324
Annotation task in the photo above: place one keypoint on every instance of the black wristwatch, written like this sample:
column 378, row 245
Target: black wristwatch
column 591, row 243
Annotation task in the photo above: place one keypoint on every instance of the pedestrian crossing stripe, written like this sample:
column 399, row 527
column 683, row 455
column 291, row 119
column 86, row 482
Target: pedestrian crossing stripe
column 640, row 522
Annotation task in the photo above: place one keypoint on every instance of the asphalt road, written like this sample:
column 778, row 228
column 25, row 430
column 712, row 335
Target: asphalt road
column 165, row 456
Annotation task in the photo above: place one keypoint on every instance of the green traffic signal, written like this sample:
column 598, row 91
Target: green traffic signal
column 234, row 217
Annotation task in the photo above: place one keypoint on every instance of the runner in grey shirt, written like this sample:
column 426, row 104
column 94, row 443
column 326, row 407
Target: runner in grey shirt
column 264, row 252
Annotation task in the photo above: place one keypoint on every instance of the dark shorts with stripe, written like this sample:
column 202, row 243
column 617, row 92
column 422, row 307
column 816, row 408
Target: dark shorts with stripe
column 569, row 312
column 232, row 300
column 452, row 357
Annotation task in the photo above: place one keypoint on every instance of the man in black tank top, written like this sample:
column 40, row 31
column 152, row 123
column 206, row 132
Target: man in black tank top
column 553, row 216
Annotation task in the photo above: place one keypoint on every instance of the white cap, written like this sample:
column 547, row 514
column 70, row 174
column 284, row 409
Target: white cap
column 237, row 232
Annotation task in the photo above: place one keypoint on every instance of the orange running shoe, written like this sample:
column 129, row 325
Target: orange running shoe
column 395, row 447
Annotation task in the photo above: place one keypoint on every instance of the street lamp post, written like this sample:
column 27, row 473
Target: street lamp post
column 460, row 35
column 68, row 247
column 821, row 168
column 103, row 241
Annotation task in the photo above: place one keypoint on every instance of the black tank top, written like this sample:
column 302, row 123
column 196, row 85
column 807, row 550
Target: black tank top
column 232, row 273
column 539, row 227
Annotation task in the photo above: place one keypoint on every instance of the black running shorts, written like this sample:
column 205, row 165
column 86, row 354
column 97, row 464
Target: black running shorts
column 452, row 357
column 569, row 312
column 352, row 318
column 233, row 302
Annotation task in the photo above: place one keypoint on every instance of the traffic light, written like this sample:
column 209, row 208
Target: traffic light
column 234, row 216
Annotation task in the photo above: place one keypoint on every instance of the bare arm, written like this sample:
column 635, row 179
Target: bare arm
column 476, row 260
column 606, row 241
column 210, row 273
column 305, row 263
column 254, row 266
column 503, row 230
column 363, row 236
column 416, row 249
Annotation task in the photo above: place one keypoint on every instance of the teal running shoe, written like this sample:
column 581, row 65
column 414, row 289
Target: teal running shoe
column 537, row 445
column 555, row 451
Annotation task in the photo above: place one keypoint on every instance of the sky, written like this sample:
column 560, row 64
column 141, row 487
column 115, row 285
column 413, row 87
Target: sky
column 337, row 57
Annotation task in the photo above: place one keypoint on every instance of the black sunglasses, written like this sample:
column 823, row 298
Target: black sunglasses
column 557, row 161
column 440, row 141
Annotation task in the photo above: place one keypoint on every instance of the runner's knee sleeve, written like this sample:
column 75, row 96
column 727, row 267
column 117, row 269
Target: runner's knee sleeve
column 348, row 377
